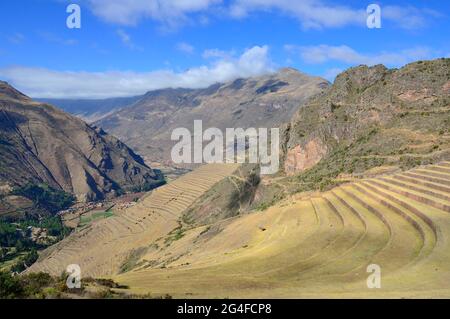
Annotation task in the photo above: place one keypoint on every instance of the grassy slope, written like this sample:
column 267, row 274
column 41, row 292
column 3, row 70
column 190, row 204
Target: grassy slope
column 316, row 247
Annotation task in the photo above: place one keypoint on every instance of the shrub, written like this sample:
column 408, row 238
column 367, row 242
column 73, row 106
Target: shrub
column 34, row 283
column 25, row 262
column 10, row 287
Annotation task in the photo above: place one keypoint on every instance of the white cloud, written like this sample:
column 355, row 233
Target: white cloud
column 311, row 13
column 408, row 17
column 126, row 40
column 325, row 53
column 40, row 82
column 185, row 48
column 319, row 14
column 131, row 12
column 216, row 53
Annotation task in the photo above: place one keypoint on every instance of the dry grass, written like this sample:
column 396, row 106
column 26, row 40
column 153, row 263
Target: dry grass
column 318, row 246
column 106, row 246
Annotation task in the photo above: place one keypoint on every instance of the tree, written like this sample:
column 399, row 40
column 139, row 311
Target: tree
column 10, row 287
column 45, row 197
column 3, row 252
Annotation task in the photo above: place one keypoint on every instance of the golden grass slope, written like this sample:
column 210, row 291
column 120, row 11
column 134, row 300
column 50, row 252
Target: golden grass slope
column 105, row 246
column 317, row 247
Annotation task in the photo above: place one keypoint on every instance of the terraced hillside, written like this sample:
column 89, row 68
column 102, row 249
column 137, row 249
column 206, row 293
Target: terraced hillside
column 111, row 245
column 317, row 246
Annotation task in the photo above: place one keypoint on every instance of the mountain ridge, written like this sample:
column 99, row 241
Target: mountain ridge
column 371, row 117
column 264, row 101
column 41, row 144
column 91, row 110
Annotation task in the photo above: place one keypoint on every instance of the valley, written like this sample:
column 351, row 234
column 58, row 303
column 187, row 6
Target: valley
column 364, row 181
column 265, row 101
column 224, row 154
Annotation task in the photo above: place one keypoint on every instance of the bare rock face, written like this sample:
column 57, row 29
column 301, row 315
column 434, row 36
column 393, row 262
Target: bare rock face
column 259, row 102
column 41, row 144
column 301, row 158
column 446, row 87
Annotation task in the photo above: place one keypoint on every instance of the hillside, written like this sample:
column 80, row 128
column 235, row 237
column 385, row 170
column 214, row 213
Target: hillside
column 371, row 121
column 117, row 243
column 371, row 117
column 316, row 246
column 377, row 146
column 40, row 144
column 265, row 101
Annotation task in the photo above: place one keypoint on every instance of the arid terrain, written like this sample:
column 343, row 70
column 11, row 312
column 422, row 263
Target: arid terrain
column 317, row 246
column 115, row 244
column 365, row 180
column 218, row 151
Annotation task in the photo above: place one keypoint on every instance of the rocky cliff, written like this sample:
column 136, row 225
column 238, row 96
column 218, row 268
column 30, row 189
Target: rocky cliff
column 373, row 116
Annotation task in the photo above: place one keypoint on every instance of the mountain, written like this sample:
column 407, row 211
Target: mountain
column 199, row 237
column 265, row 101
column 92, row 110
column 40, row 144
column 372, row 117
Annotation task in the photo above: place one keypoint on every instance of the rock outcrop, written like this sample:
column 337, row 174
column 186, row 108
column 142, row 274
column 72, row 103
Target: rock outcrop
column 373, row 116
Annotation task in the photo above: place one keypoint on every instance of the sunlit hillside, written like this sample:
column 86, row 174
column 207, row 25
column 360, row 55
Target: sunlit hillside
column 317, row 246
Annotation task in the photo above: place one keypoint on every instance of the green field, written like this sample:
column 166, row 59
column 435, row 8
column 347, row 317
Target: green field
column 86, row 220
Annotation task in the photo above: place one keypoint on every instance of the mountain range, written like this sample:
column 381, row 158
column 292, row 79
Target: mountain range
column 365, row 180
column 377, row 145
column 266, row 101
column 91, row 110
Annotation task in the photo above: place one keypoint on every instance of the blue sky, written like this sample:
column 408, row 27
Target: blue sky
column 127, row 47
